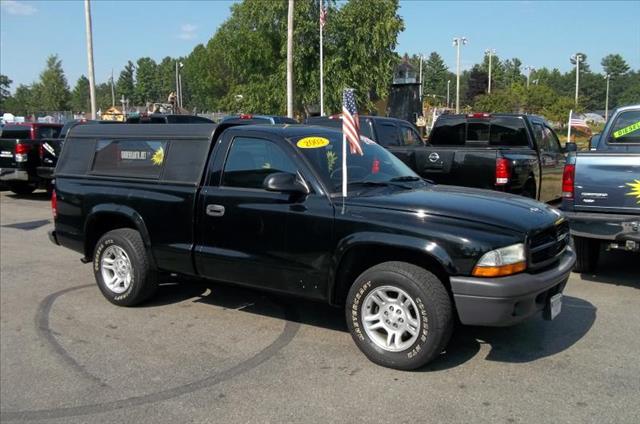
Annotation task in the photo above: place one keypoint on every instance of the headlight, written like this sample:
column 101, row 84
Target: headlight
column 500, row 262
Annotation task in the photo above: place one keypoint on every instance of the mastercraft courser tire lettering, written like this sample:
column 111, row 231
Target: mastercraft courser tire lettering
column 122, row 268
column 399, row 315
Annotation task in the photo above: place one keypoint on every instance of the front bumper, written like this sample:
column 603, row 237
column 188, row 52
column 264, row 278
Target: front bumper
column 509, row 300
column 604, row 226
column 13, row 174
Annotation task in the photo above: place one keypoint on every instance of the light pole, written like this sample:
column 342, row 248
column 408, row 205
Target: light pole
column 529, row 69
column 92, row 77
column 457, row 41
column 420, row 77
column 290, row 60
column 179, row 66
column 490, row 52
column 606, row 101
column 577, row 58
column 448, row 85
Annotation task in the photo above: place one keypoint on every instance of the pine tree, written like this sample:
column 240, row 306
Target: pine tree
column 54, row 90
column 80, row 99
column 126, row 82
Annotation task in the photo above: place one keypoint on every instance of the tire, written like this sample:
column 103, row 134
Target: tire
column 122, row 268
column 587, row 254
column 430, row 304
column 21, row 188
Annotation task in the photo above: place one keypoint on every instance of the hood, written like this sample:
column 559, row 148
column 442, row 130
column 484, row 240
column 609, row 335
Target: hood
column 484, row 206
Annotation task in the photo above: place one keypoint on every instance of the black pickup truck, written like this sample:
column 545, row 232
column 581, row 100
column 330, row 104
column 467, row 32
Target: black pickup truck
column 518, row 154
column 262, row 206
column 20, row 147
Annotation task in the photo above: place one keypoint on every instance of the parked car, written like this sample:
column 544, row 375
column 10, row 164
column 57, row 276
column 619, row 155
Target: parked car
column 258, row 119
column 601, row 190
column 392, row 133
column 518, row 154
column 19, row 154
column 261, row 206
column 161, row 118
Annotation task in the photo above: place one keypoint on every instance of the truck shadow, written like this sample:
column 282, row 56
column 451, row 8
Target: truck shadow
column 526, row 342
column 616, row 267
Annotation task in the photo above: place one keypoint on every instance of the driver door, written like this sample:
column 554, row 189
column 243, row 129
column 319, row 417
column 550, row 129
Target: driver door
column 251, row 236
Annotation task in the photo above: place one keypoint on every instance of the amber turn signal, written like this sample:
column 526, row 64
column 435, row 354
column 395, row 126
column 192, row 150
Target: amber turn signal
column 499, row 271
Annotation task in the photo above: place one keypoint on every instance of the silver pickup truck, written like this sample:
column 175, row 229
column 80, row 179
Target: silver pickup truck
column 601, row 190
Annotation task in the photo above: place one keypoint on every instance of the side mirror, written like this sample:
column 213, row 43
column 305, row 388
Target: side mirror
column 594, row 140
column 570, row 146
column 285, row 182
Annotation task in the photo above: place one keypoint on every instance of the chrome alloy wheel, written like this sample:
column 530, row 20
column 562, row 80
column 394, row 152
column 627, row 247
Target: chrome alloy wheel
column 390, row 318
column 115, row 267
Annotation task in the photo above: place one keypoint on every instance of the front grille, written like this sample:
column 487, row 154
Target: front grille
column 546, row 246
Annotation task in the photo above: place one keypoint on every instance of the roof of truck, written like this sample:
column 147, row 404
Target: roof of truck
column 175, row 131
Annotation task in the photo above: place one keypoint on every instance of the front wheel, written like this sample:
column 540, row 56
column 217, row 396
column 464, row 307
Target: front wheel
column 122, row 269
column 399, row 315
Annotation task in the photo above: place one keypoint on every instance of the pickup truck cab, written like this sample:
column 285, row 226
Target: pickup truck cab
column 601, row 190
column 20, row 154
column 262, row 206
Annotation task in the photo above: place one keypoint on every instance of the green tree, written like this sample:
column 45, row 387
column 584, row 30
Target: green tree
column 477, row 83
column 614, row 64
column 146, row 89
column 5, row 83
column 512, row 73
column 584, row 65
column 126, row 82
column 23, row 101
column 435, row 75
column 166, row 78
column 80, row 99
column 54, row 90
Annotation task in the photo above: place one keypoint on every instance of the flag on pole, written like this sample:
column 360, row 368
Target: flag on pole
column 578, row 122
column 351, row 122
column 323, row 15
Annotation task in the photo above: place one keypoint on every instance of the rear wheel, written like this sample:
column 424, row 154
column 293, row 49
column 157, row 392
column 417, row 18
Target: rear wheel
column 399, row 315
column 21, row 187
column 587, row 254
column 122, row 269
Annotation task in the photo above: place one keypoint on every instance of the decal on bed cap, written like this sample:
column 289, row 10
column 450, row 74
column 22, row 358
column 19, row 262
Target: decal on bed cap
column 635, row 189
column 626, row 130
column 312, row 142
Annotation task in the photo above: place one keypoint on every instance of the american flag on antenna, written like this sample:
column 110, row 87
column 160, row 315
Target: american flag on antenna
column 323, row 15
column 351, row 122
column 578, row 122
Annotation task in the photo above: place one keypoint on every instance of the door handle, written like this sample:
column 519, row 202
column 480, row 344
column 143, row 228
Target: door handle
column 215, row 210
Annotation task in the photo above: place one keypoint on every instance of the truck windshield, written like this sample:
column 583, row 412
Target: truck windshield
column 375, row 166
column 504, row 131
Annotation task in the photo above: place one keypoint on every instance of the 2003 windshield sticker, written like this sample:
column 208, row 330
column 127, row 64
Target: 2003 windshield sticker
column 312, row 142
column 627, row 130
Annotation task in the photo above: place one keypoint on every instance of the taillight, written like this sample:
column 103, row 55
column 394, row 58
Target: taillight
column 54, row 204
column 22, row 149
column 245, row 116
column 568, row 179
column 479, row 115
column 503, row 171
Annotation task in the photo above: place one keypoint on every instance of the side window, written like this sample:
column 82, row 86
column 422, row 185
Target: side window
column 554, row 143
column 388, row 135
column 626, row 129
column 251, row 160
column 541, row 138
column 409, row 136
column 48, row 132
column 133, row 158
column 449, row 132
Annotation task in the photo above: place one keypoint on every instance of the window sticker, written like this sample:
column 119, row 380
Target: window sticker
column 158, row 156
column 312, row 142
column 627, row 130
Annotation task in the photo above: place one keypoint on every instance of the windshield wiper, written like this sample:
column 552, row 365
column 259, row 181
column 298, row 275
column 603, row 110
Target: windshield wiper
column 406, row 178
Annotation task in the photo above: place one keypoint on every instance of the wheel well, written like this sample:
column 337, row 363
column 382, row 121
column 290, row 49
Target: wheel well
column 101, row 224
column 358, row 259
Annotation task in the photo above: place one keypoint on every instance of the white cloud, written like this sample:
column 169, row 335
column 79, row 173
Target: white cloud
column 14, row 7
column 188, row 32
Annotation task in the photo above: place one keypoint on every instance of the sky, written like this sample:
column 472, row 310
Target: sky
column 540, row 33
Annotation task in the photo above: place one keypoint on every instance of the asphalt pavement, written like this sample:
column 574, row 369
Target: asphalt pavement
column 208, row 353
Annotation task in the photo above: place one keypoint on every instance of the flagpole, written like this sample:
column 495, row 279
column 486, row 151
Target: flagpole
column 344, row 165
column 569, row 129
column 321, row 65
